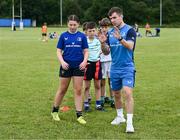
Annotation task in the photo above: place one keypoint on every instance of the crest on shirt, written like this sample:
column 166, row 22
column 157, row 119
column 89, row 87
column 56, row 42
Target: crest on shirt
column 66, row 38
column 79, row 39
column 123, row 34
column 111, row 35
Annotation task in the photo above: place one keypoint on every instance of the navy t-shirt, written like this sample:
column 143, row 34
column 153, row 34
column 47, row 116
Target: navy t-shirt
column 73, row 45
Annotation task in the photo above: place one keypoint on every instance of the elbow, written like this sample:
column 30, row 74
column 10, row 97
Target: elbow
column 131, row 48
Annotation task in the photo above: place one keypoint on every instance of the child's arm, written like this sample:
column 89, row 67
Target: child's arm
column 104, row 47
column 84, row 63
column 61, row 60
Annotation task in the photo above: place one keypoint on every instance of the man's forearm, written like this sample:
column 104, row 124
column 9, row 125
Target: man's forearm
column 129, row 45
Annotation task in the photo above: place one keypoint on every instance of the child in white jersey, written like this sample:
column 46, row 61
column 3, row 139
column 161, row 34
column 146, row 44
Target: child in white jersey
column 105, row 64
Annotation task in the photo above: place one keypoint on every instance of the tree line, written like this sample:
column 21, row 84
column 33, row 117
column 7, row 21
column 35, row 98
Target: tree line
column 140, row 11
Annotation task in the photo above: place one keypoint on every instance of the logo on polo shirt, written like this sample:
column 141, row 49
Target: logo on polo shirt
column 79, row 39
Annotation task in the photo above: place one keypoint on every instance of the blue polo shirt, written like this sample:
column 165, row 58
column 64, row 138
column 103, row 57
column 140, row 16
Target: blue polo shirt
column 73, row 45
column 122, row 57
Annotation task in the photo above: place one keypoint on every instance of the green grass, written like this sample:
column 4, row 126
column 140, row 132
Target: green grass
column 29, row 79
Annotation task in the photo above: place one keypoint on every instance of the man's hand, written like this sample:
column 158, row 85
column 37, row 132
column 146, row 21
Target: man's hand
column 116, row 33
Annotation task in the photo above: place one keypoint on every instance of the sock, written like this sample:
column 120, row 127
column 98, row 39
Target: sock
column 55, row 109
column 78, row 113
column 98, row 103
column 86, row 100
column 119, row 112
column 89, row 99
column 86, row 104
column 129, row 118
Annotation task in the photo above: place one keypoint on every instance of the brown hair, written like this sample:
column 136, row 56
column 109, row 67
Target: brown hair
column 73, row 18
column 104, row 22
column 90, row 25
column 117, row 10
column 84, row 26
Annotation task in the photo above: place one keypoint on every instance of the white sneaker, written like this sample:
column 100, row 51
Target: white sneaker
column 118, row 120
column 129, row 128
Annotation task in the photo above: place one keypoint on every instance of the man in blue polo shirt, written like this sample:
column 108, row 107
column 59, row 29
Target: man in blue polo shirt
column 122, row 40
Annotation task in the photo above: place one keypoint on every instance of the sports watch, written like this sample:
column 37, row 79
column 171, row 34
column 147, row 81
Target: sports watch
column 120, row 39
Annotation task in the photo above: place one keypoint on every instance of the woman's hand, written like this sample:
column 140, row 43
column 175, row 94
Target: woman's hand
column 65, row 65
column 82, row 66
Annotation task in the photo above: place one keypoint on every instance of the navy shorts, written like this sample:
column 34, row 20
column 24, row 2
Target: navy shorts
column 70, row 72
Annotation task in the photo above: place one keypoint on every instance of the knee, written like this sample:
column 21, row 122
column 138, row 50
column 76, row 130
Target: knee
column 117, row 95
column 128, row 96
column 62, row 92
column 78, row 91
column 87, row 88
column 98, row 86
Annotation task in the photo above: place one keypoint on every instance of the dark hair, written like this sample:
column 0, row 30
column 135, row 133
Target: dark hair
column 84, row 26
column 73, row 18
column 104, row 22
column 90, row 25
column 117, row 10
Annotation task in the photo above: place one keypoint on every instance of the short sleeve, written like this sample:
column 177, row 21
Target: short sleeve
column 131, row 35
column 60, row 44
column 84, row 42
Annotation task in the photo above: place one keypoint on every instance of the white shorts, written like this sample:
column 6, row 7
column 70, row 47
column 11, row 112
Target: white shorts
column 106, row 66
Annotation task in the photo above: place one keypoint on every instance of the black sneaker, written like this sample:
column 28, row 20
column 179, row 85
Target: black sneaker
column 112, row 104
column 102, row 103
column 107, row 100
column 100, row 108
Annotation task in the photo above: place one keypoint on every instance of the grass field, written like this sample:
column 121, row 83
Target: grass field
column 29, row 79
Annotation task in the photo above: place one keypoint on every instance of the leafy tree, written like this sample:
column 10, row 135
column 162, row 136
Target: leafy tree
column 168, row 11
column 48, row 11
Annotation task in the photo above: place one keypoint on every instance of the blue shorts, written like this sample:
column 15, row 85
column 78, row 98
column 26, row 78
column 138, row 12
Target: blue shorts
column 126, row 79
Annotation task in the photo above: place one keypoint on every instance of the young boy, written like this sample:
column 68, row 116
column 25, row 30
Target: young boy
column 93, row 69
column 106, row 65
column 84, row 30
column 44, row 32
column 148, row 29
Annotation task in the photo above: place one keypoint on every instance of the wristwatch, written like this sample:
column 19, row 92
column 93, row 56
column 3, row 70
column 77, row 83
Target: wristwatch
column 120, row 39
